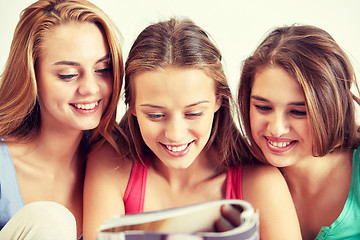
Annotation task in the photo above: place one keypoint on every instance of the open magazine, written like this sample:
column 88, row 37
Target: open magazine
column 192, row 222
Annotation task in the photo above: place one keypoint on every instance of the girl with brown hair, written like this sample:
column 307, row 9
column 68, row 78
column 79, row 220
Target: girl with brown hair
column 184, row 146
column 298, row 111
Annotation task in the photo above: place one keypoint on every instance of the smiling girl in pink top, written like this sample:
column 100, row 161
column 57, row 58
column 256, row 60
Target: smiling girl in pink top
column 184, row 146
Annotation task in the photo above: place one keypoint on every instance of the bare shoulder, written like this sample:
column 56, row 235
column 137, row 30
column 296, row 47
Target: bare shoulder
column 266, row 189
column 106, row 178
column 262, row 178
column 261, row 172
column 106, row 157
column 108, row 165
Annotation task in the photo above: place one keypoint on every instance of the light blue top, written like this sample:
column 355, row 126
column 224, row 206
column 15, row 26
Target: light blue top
column 347, row 225
column 11, row 200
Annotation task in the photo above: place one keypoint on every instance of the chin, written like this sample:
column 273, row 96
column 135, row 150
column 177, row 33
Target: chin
column 91, row 125
column 179, row 165
column 279, row 162
column 278, row 165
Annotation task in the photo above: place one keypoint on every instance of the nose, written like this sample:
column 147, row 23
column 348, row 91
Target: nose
column 278, row 124
column 88, row 85
column 175, row 129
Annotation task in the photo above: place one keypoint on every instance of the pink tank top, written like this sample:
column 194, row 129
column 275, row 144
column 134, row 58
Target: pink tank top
column 135, row 191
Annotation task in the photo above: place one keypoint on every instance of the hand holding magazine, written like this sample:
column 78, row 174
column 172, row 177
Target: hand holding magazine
column 193, row 222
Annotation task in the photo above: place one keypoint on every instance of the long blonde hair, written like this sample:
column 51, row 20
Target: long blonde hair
column 19, row 109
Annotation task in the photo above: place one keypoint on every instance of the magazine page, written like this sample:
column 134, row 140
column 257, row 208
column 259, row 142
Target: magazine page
column 189, row 222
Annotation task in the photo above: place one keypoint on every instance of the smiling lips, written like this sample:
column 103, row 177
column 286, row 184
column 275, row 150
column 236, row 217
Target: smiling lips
column 178, row 150
column 279, row 145
column 86, row 106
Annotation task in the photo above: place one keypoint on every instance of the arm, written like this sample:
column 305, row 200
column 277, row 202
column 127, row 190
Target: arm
column 105, row 181
column 265, row 188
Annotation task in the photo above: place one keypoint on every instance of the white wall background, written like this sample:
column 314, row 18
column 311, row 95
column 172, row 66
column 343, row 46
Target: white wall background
column 237, row 26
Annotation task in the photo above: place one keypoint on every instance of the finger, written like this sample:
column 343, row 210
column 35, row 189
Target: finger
column 223, row 225
column 232, row 214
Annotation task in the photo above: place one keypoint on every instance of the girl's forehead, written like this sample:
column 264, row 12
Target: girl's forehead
column 276, row 83
column 173, row 85
column 76, row 41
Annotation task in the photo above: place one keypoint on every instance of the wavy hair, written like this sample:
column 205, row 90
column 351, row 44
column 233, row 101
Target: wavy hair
column 19, row 108
column 182, row 44
column 323, row 70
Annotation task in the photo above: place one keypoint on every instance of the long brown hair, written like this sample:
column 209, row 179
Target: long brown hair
column 312, row 57
column 19, row 109
column 181, row 43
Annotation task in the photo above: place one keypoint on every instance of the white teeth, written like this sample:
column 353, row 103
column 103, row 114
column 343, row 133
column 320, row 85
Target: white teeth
column 279, row 144
column 87, row 106
column 176, row 149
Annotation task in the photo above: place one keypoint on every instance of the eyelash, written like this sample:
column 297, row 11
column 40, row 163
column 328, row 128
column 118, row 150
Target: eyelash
column 194, row 115
column 298, row 113
column 155, row 116
column 103, row 71
column 265, row 109
column 69, row 77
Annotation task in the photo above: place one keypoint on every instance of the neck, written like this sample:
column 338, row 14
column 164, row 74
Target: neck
column 62, row 146
column 205, row 167
column 309, row 174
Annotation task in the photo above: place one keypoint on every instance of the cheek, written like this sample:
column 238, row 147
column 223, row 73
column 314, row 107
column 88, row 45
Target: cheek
column 55, row 94
column 148, row 130
column 201, row 129
column 257, row 121
column 303, row 129
column 43, row 88
column 106, row 87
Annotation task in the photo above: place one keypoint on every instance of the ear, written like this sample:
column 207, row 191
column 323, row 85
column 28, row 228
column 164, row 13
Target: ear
column 218, row 103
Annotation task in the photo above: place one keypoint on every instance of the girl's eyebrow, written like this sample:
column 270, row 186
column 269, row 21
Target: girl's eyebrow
column 197, row 103
column 71, row 63
column 259, row 98
column 300, row 103
column 106, row 57
column 187, row 106
column 150, row 105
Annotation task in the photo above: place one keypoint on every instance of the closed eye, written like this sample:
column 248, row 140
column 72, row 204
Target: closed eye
column 103, row 71
column 298, row 113
column 263, row 108
column 155, row 116
column 67, row 76
column 194, row 115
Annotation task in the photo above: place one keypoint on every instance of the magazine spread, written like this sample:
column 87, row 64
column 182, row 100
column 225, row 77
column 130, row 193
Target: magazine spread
column 192, row 222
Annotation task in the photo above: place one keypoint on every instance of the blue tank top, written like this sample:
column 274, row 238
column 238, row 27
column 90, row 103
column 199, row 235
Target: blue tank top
column 346, row 226
column 11, row 200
